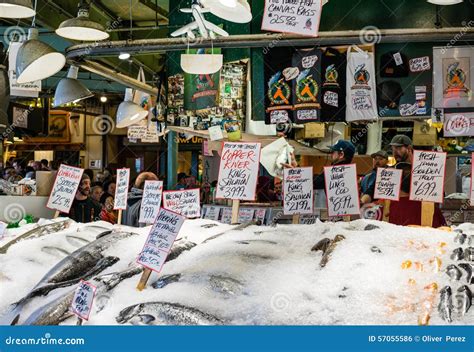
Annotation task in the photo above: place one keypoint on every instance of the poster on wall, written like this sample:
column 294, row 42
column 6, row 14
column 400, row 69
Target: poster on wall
column 238, row 171
column 427, row 176
column 298, row 17
column 342, row 192
column 453, row 80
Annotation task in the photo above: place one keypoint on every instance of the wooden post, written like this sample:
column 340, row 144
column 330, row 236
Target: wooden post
column 144, row 279
column 79, row 321
column 427, row 213
column 296, row 219
column 56, row 214
column 235, row 211
column 386, row 210
column 347, row 218
column 119, row 217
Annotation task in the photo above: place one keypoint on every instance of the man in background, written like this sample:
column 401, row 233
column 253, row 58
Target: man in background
column 131, row 215
column 367, row 185
column 84, row 209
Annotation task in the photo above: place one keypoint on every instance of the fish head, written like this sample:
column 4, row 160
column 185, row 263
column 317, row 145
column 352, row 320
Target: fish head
column 110, row 260
column 128, row 313
column 142, row 319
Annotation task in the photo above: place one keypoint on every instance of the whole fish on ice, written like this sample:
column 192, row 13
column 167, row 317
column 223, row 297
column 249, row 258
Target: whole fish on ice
column 445, row 306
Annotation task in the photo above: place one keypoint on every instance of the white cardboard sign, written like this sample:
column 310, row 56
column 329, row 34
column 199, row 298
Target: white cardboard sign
column 65, row 187
column 215, row 133
column 121, row 191
column 298, row 191
column 83, row 297
column 341, row 190
column 238, row 171
column 245, row 215
column 459, row 124
column 419, row 64
column 427, row 176
column 387, row 184
column 226, row 215
column 185, row 202
column 160, row 240
column 212, row 213
column 151, row 201
column 298, row 17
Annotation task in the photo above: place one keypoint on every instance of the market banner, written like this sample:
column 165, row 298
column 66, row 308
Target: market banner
column 342, row 193
column 333, row 89
column 298, row 17
column 298, row 190
column 64, row 189
column 360, row 86
column 238, row 171
column 185, row 202
column 151, row 201
column 387, row 184
column 121, row 191
column 427, row 177
column 201, row 91
column 306, row 85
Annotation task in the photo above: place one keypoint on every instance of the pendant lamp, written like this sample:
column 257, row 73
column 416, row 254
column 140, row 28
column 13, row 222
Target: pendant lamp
column 16, row 9
column 129, row 113
column 201, row 63
column 37, row 60
column 70, row 89
column 445, row 2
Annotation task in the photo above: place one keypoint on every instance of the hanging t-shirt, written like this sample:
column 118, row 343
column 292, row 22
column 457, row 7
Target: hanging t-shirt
column 278, row 93
column 333, row 90
column 306, row 82
column 361, row 91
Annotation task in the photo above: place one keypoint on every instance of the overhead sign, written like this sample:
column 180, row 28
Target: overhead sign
column 341, row 190
column 83, row 297
column 459, row 124
column 298, row 191
column 65, row 187
column 160, row 240
column 387, row 184
column 298, row 17
column 121, row 191
column 427, row 176
column 151, row 201
column 185, row 202
column 238, row 171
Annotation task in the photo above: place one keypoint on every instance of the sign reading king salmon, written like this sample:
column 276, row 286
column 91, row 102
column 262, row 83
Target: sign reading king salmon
column 65, row 187
column 238, row 171
column 161, row 238
column 185, row 202
column 121, row 191
column 341, row 190
column 298, row 191
column 427, row 176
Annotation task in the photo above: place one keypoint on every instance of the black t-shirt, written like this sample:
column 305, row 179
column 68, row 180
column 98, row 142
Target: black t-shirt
column 84, row 211
column 333, row 72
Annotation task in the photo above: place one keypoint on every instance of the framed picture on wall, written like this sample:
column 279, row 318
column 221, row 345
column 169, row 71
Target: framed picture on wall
column 453, row 80
column 58, row 129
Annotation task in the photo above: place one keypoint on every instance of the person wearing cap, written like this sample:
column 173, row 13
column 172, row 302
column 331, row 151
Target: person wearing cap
column 341, row 153
column 182, row 181
column 84, row 209
column 367, row 185
column 402, row 148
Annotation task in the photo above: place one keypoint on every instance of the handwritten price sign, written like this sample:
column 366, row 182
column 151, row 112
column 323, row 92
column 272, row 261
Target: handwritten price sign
column 341, row 190
column 427, row 177
column 388, row 183
column 121, row 191
column 472, row 181
column 298, row 191
column 151, row 201
column 185, row 202
column 238, row 171
column 161, row 238
column 83, row 297
column 65, row 187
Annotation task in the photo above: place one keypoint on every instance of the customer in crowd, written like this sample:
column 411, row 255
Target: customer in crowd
column 109, row 188
column 84, row 209
column 108, row 175
column 206, row 195
column 96, row 192
column 30, row 173
column 45, row 165
column 265, row 192
column 406, row 211
column 191, row 182
column 278, row 190
column 182, row 181
column 89, row 173
column 131, row 215
column 8, row 172
column 367, row 185
column 99, row 177
column 19, row 166
column 108, row 213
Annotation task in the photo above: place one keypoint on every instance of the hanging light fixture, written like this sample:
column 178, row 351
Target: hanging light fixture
column 81, row 27
column 103, row 98
column 445, row 2
column 16, row 9
column 201, row 64
column 129, row 113
column 70, row 90
column 124, row 56
column 37, row 60
column 237, row 11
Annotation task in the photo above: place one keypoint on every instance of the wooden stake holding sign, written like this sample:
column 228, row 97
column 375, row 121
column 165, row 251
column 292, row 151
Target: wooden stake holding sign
column 121, row 192
column 427, row 182
column 158, row 244
column 68, row 179
column 238, row 173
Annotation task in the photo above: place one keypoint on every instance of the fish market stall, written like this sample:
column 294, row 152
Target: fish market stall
column 348, row 273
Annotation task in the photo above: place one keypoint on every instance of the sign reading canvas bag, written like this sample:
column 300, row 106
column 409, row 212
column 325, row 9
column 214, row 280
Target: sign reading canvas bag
column 361, row 93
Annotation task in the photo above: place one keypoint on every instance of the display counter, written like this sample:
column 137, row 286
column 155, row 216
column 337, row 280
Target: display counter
column 14, row 208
